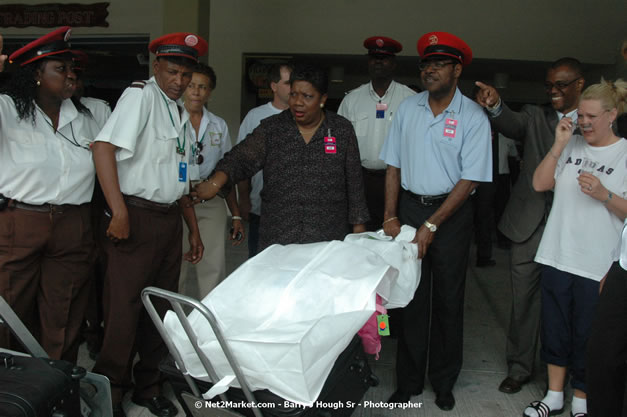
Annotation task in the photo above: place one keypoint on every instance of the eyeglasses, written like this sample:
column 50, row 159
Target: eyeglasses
column 438, row 65
column 560, row 85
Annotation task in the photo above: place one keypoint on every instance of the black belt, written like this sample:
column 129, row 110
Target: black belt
column 150, row 205
column 42, row 208
column 428, row 200
column 376, row 172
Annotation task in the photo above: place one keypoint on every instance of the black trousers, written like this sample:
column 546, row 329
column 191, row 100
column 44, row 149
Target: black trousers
column 432, row 326
column 483, row 202
column 374, row 184
column 607, row 348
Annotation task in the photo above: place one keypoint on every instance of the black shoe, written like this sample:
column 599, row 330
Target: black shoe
column 511, row 385
column 399, row 396
column 159, row 406
column 118, row 411
column 483, row 262
column 445, row 400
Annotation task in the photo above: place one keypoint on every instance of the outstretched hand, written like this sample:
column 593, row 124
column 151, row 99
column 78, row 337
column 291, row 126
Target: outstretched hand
column 487, row 96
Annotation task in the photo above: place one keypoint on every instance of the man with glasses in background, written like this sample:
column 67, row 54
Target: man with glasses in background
column 437, row 150
column 526, row 212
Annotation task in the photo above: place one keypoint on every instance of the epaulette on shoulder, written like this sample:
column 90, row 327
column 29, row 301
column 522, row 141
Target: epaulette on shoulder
column 138, row 84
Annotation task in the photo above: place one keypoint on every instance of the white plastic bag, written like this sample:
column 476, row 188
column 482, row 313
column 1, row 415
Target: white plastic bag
column 287, row 314
column 399, row 253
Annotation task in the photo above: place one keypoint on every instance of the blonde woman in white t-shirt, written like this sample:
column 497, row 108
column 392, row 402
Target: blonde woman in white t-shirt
column 588, row 172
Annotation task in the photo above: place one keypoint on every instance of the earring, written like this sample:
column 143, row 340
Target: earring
column 38, row 83
column 321, row 105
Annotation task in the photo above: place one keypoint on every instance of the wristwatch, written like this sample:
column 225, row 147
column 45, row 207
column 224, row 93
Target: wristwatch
column 432, row 227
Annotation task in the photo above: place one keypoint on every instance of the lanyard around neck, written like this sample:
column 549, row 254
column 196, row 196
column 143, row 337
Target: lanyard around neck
column 73, row 141
column 179, row 149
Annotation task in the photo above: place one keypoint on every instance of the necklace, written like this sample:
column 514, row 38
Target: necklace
column 73, row 141
column 311, row 129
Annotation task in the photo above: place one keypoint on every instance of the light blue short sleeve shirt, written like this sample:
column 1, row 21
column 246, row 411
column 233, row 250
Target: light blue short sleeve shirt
column 435, row 152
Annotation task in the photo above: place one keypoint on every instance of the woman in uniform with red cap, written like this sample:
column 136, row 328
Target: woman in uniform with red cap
column 46, row 184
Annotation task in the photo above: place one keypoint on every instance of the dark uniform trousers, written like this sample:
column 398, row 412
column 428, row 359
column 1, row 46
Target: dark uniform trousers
column 439, row 297
column 524, row 322
column 483, row 201
column 606, row 365
column 374, row 185
column 45, row 264
column 151, row 256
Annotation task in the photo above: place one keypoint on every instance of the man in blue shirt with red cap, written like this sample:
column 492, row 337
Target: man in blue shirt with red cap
column 141, row 157
column 436, row 152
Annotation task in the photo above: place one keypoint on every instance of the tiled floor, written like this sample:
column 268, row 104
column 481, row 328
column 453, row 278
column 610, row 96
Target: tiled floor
column 486, row 316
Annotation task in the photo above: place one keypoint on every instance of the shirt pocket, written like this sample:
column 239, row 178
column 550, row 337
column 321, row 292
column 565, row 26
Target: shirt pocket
column 361, row 124
column 163, row 147
column 448, row 142
column 27, row 147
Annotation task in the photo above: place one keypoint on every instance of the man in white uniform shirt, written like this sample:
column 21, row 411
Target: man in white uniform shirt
column 250, row 190
column 371, row 108
column 141, row 157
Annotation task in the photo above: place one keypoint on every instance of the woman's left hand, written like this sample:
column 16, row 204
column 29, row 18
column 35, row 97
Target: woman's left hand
column 592, row 186
column 238, row 227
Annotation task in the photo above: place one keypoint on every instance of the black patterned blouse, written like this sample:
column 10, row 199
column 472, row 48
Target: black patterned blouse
column 312, row 191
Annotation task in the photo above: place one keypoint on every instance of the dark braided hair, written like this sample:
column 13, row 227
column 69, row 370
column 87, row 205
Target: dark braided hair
column 22, row 88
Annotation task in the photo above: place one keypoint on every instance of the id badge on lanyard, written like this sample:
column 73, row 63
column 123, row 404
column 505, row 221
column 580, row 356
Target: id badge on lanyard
column 182, row 171
column 381, row 108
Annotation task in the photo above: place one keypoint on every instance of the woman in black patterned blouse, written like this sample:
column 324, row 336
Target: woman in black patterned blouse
column 313, row 189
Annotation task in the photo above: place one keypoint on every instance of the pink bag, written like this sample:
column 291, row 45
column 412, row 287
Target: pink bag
column 369, row 333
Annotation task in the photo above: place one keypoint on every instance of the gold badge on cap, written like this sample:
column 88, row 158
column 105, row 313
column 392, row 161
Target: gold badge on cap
column 191, row 40
column 379, row 42
column 433, row 40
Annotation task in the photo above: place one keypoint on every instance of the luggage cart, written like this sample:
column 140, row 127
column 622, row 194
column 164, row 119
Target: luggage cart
column 95, row 389
column 177, row 301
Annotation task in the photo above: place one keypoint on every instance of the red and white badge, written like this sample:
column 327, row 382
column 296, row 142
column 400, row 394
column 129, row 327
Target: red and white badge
column 329, row 144
column 450, row 128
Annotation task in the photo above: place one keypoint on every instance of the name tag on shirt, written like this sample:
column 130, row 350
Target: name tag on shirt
column 182, row 171
column 215, row 138
column 450, row 128
column 329, row 144
column 381, row 108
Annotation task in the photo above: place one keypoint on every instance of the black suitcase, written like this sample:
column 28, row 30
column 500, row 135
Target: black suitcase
column 34, row 387
column 347, row 383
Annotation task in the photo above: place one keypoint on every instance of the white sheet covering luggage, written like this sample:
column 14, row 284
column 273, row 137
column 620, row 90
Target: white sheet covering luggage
column 289, row 312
